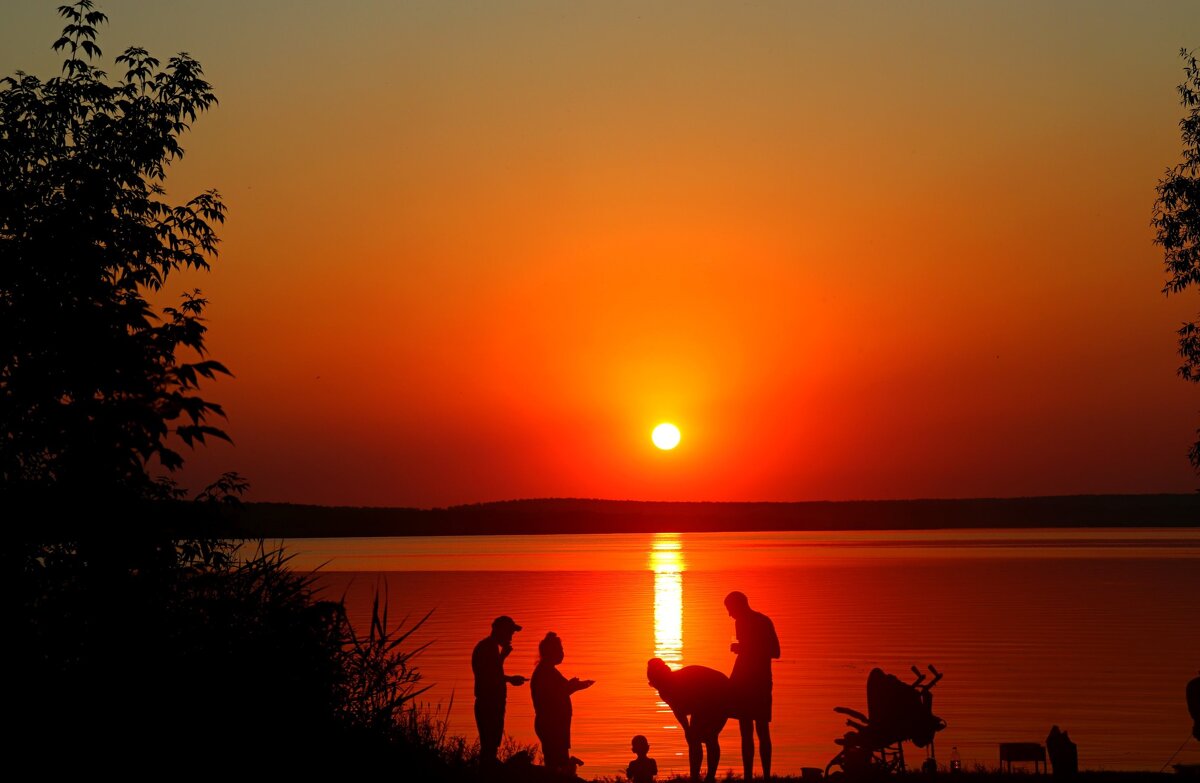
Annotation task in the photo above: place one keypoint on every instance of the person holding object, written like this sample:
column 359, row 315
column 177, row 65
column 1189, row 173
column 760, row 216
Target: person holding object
column 551, row 693
column 750, row 683
column 491, row 686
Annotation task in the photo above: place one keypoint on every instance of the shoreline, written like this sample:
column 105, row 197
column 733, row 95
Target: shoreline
column 986, row 775
column 977, row 775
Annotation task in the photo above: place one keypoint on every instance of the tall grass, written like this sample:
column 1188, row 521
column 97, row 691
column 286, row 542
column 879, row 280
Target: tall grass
column 177, row 657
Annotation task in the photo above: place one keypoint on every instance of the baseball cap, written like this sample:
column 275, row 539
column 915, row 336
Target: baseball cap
column 504, row 621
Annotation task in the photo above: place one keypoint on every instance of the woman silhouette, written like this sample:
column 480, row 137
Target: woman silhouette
column 551, row 693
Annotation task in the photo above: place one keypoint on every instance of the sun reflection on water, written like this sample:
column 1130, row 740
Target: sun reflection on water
column 666, row 561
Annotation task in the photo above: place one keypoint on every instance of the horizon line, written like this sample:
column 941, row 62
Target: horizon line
column 579, row 499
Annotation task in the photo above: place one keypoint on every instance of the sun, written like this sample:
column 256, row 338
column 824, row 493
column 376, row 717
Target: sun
column 665, row 436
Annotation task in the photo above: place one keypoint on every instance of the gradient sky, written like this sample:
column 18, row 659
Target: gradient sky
column 476, row 251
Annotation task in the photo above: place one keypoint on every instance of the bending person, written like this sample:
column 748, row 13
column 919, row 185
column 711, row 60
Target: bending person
column 699, row 698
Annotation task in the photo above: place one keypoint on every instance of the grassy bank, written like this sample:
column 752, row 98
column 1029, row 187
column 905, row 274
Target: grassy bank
column 976, row 776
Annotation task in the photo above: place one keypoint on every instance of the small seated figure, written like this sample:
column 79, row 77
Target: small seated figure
column 642, row 769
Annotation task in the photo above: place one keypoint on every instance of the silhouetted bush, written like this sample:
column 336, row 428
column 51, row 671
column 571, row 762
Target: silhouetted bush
column 142, row 644
column 215, row 659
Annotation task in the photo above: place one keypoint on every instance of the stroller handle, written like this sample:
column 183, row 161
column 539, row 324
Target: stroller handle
column 852, row 713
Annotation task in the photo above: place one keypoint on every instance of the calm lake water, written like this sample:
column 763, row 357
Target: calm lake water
column 1094, row 630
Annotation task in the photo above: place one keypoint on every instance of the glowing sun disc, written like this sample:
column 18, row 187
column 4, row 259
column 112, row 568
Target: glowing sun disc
column 665, row 436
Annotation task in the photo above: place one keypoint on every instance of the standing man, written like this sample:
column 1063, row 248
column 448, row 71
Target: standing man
column 699, row 698
column 750, row 682
column 491, row 686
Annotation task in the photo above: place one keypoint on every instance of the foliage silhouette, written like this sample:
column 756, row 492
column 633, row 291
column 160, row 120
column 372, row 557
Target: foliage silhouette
column 1177, row 224
column 93, row 382
column 230, row 656
column 146, row 645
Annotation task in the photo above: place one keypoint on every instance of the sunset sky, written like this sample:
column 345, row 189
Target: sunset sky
column 476, row 251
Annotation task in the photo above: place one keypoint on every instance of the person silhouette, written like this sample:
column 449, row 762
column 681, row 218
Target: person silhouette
column 699, row 698
column 750, row 681
column 1193, row 704
column 551, row 693
column 491, row 686
column 642, row 769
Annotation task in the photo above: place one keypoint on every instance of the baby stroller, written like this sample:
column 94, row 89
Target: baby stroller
column 897, row 712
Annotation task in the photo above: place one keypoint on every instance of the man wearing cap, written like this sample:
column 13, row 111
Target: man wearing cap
column 491, row 685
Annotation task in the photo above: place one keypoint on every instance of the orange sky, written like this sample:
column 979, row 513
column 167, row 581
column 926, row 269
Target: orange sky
column 856, row 250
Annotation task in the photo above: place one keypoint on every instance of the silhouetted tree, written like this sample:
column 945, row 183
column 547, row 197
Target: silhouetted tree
column 144, row 651
column 1177, row 223
column 93, row 381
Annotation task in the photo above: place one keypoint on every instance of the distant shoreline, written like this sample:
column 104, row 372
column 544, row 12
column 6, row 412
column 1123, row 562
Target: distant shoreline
column 566, row 515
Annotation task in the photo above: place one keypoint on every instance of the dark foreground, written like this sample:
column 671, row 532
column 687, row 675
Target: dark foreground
column 981, row 776
column 518, row 769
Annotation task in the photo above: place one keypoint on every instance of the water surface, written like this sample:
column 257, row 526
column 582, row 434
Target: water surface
column 1092, row 630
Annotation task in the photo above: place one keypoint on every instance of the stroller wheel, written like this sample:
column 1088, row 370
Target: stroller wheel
column 837, row 767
